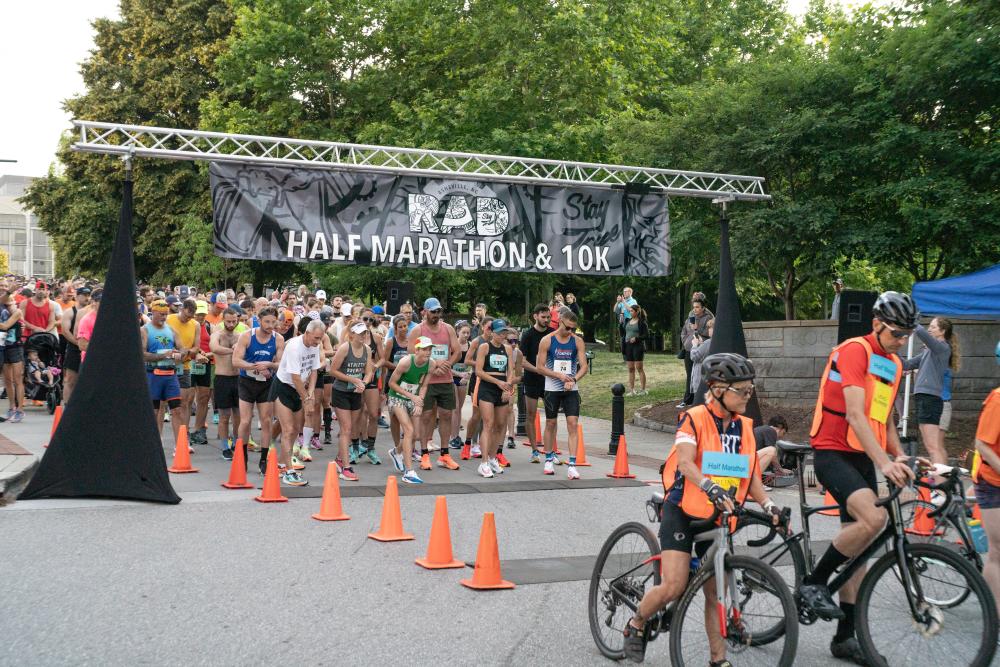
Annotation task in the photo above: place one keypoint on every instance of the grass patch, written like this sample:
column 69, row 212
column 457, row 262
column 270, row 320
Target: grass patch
column 664, row 380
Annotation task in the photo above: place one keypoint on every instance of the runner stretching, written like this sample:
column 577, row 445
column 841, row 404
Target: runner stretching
column 294, row 394
column 562, row 360
column 407, row 388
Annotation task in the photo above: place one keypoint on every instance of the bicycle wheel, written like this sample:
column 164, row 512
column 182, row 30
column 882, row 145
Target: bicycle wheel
column 961, row 634
column 622, row 574
column 758, row 597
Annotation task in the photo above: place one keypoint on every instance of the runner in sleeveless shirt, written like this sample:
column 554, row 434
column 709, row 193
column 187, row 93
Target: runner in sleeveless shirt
column 494, row 389
column 395, row 350
column 372, row 396
column 461, row 372
column 562, row 360
column 71, row 361
column 513, row 338
column 226, row 397
column 440, row 390
column 474, row 425
column 161, row 353
column 407, row 389
column 329, row 351
column 352, row 368
column 257, row 355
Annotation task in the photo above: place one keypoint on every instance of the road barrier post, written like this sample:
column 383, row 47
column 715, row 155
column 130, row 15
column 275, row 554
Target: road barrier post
column 617, row 416
column 522, row 409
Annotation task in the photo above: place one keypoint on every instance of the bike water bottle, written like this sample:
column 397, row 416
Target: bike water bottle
column 695, row 564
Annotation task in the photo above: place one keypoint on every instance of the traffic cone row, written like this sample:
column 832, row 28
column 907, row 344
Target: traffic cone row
column 182, row 454
column 621, row 470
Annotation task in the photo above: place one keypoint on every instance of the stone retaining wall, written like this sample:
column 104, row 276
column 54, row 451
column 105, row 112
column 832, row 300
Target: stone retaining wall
column 790, row 357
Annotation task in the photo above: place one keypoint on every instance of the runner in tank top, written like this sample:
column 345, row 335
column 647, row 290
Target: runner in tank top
column 407, row 389
column 562, row 360
column 493, row 393
column 352, row 368
column 395, row 350
column 366, row 429
column 471, row 447
column 462, row 373
column 440, row 390
column 257, row 355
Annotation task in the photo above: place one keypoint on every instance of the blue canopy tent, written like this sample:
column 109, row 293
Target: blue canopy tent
column 972, row 296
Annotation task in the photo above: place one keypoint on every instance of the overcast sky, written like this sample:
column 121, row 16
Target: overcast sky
column 42, row 45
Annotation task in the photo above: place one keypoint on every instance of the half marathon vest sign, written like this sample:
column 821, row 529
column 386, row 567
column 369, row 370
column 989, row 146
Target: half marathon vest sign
column 303, row 215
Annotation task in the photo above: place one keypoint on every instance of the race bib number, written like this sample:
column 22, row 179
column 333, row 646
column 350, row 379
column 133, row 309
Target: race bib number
column 881, row 403
column 439, row 352
column 498, row 361
column 564, row 366
column 198, row 369
column 409, row 387
column 257, row 376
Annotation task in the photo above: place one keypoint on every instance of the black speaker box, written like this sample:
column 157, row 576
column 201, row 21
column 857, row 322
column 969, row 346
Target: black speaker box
column 396, row 294
column 855, row 316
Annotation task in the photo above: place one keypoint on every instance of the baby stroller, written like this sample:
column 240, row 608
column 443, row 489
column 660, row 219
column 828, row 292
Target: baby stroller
column 47, row 346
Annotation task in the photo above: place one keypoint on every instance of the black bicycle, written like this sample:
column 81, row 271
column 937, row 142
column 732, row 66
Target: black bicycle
column 920, row 599
column 752, row 597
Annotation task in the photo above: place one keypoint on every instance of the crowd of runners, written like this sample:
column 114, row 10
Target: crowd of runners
column 290, row 368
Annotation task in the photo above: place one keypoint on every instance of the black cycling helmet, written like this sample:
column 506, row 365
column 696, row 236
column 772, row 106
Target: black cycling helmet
column 727, row 367
column 896, row 309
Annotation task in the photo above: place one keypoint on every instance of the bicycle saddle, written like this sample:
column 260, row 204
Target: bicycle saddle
column 792, row 447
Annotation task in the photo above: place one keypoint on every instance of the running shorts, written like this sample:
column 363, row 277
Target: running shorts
column 163, row 387
column 534, row 388
column 567, row 401
column 400, row 402
column 346, row 400
column 441, row 394
column 987, row 495
column 320, row 379
column 287, row 395
column 929, row 409
column 843, row 473
column 202, row 379
column 227, row 392
column 487, row 392
column 675, row 531
column 72, row 360
column 254, row 391
column 184, row 380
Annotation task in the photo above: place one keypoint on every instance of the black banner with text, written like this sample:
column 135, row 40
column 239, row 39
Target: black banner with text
column 306, row 215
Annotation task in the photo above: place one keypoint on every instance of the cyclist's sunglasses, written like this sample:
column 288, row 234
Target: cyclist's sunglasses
column 746, row 392
column 897, row 333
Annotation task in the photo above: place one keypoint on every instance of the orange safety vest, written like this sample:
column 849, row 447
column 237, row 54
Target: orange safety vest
column 880, row 392
column 694, row 502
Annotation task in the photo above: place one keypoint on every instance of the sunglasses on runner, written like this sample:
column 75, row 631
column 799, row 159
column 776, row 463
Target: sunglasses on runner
column 368, row 319
column 436, row 311
column 897, row 333
column 746, row 392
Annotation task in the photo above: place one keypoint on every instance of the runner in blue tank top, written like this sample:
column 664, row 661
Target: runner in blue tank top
column 159, row 351
column 562, row 360
column 257, row 355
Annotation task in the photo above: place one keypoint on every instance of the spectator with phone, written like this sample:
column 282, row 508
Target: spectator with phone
column 696, row 324
column 623, row 302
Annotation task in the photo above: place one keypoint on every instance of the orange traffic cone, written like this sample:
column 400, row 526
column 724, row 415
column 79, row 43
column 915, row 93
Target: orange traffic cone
column 621, row 461
column 922, row 523
column 538, row 428
column 330, row 508
column 976, row 514
column 391, row 529
column 271, row 493
column 828, row 499
column 182, row 453
column 56, row 416
column 581, row 447
column 487, row 575
column 439, row 555
column 238, row 469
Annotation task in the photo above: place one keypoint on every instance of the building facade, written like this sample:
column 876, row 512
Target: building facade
column 26, row 244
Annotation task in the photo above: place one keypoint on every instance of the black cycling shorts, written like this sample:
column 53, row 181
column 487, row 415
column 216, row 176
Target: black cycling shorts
column 675, row 531
column 843, row 473
column 567, row 401
column 346, row 400
column 929, row 409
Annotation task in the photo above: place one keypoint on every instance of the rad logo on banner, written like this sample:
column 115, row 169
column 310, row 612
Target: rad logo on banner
column 303, row 215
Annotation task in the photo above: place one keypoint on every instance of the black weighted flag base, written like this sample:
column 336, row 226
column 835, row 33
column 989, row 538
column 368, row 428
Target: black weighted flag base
column 728, row 333
column 107, row 444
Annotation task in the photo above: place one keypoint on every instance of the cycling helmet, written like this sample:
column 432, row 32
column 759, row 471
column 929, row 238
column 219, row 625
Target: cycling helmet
column 727, row 367
column 896, row 309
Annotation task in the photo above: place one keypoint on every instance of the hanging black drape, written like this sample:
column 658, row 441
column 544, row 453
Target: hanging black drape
column 728, row 333
column 107, row 444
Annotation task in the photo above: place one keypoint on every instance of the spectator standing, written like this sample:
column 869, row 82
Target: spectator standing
column 554, row 308
column 634, row 349
column 621, row 309
column 479, row 313
column 699, row 350
column 696, row 324
column 573, row 305
column 941, row 352
column 838, row 287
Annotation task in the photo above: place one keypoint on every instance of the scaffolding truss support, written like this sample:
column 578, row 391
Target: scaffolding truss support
column 176, row 144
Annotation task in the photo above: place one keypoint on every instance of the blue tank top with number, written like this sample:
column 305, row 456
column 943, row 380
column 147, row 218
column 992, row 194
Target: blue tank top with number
column 562, row 359
column 158, row 341
column 257, row 351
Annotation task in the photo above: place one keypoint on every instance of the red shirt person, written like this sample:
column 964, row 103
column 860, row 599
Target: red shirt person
column 39, row 315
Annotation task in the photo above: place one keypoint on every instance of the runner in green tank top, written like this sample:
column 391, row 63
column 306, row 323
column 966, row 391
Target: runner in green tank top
column 407, row 388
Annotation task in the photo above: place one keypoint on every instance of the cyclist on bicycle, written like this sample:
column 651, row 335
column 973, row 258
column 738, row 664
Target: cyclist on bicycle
column 853, row 431
column 714, row 455
column 986, row 475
